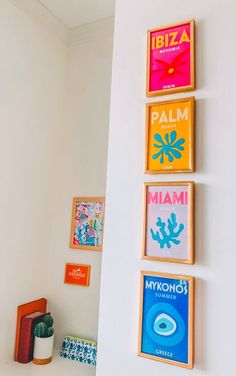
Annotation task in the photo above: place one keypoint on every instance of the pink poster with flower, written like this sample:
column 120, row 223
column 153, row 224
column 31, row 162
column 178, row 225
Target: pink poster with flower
column 170, row 59
column 168, row 224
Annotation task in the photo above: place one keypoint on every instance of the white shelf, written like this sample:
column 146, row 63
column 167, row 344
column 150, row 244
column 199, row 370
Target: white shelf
column 58, row 367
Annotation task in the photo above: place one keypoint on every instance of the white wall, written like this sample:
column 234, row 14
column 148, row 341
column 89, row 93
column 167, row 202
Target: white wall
column 54, row 106
column 215, row 177
column 82, row 172
column 32, row 70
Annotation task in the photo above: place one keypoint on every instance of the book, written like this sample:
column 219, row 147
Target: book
column 23, row 310
column 26, row 342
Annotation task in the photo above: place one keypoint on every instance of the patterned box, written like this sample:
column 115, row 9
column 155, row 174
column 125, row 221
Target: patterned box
column 79, row 349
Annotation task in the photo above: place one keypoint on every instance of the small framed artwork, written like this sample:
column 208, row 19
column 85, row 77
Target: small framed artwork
column 166, row 318
column 170, row 59
column 170, row 136
column 169, row 222
column 87, row 223
column 77, row 274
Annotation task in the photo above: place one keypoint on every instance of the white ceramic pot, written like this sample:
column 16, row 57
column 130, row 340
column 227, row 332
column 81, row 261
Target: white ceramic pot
column 43, row 348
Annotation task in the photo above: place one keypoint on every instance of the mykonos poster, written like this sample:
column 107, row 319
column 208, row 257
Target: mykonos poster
column 169, row 222
column 166, row 318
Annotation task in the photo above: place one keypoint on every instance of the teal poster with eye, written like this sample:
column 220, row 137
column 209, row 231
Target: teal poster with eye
column 166, row 320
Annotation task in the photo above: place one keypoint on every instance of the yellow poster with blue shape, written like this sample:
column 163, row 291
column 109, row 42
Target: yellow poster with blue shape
column 170, row 136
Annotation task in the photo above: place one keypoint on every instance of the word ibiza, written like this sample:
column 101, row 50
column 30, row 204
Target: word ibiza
column 172, row 198
column 174, row 38
column 181, row 288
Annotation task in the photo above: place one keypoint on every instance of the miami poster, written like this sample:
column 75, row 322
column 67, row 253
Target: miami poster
column 169, row 222
column 170, row 136
column 170, row 59
column 166, row 318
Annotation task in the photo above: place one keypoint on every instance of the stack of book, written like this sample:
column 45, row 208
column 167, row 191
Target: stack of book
column 28, row 315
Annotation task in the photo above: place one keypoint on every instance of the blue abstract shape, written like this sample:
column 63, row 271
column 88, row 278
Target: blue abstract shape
column 165, row 310
column 164, row 325
column 169, row 147
column 165, row 236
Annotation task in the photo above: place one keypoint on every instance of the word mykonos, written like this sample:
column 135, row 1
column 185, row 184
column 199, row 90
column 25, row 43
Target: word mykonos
column 166, row 287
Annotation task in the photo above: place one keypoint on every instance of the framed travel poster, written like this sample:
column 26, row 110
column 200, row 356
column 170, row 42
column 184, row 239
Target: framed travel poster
column 77, row 274
column 170, row 136
column 166, row 318
column 87, row 223
column 170, row 59
column 169, row 222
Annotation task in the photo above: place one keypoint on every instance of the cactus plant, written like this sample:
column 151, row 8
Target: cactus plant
column 48, row 320
column 44, row 328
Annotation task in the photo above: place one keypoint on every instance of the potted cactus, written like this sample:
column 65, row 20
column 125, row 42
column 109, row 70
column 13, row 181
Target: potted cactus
column 44, row 340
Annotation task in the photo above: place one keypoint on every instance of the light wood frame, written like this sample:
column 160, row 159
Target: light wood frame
column 191, row 281
column 192, row 136
column 79, row 246
column 191, row 186
column 74, row 283
column 192, row 65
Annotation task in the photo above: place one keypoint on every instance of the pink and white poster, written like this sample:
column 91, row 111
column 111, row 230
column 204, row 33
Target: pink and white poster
column 168, row 223
column 170, row 65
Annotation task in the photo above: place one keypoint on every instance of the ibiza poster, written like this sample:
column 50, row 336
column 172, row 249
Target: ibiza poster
column 170, row 136
column 166, row 318
column 169, row 222
column 170, row 59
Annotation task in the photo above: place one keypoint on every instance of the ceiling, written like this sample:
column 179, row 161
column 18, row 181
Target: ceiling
column 79, row 12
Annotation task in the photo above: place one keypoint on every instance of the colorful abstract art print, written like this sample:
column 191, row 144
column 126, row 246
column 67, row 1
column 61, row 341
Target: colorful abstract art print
column 170, row 59
column 170, row 136
column 77, row 274
column 87, row 223
column 166, row 318
column 169, row 222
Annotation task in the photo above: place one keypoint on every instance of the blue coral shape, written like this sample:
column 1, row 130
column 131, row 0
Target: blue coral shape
column 170, row 147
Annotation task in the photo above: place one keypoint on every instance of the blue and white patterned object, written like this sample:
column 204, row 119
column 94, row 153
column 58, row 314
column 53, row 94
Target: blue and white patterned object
column 79, row 349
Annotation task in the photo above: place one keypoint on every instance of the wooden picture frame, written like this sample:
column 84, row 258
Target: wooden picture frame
column 87, row 223
column 77, row 274
column 166, row 319
column 175, row 71
column 170, row 136
column 168, row 225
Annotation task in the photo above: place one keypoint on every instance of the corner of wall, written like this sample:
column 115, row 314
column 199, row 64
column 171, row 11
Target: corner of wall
column 41, row 15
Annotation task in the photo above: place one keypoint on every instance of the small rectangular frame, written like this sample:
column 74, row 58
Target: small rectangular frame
column 92, row 241
column 77, row 274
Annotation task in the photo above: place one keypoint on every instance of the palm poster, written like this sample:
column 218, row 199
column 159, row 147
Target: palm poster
column 170, row 136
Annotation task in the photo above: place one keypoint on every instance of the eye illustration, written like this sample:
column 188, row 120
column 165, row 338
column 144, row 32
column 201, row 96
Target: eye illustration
column 164, row 325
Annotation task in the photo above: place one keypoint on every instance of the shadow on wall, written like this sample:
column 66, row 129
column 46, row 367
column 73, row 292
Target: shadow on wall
column 200, row 324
